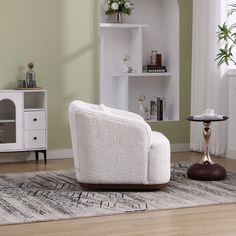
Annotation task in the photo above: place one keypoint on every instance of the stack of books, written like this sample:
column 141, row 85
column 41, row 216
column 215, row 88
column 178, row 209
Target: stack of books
column 156, row 65
column 158, row 108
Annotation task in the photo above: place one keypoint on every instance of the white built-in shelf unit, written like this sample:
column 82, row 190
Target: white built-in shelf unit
column 154, row 24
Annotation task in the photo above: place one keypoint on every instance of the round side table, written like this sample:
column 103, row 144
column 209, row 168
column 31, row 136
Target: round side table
column 206, row 169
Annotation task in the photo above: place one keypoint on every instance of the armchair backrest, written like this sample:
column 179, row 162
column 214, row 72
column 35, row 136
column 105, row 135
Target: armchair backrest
column 107, row 140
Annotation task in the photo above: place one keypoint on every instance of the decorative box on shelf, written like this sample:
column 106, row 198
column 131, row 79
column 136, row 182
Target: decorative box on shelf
column 23, row 121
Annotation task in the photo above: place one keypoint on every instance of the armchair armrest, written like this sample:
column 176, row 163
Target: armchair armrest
column 159, row 159
column 122, row 113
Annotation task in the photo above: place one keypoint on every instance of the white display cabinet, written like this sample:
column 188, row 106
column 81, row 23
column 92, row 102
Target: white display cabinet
column 154, row 24
column 23, row 121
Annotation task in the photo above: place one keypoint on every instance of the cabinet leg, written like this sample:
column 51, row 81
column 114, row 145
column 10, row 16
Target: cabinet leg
column 44, row 154
column 36, row 155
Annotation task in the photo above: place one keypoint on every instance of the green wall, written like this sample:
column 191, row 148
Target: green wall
column 61, row 38
column 179, row 131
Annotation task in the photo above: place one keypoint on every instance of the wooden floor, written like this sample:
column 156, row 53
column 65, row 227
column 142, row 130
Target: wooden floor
column 210, row 220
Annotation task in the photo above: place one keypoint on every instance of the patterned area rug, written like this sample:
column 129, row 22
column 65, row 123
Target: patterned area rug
column 56, row 195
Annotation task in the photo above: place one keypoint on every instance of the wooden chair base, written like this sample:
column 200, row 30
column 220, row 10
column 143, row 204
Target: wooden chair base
column 123, row 187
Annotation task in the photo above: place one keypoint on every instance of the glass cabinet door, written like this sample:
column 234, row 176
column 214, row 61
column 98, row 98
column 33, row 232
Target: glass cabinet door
column 7, row 121
column 11, row 105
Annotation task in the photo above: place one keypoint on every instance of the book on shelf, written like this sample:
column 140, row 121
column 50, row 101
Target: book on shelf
column 154, row 69
column 158, row 108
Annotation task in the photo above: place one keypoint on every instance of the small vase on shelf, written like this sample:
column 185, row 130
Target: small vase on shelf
column 118, row 18
column 30, row 76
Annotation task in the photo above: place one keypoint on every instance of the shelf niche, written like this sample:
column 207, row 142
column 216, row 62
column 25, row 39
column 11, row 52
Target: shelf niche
column 34, row 100
column 154, row 24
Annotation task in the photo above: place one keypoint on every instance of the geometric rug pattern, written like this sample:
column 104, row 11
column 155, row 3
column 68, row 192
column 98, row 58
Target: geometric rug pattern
column 56, row 195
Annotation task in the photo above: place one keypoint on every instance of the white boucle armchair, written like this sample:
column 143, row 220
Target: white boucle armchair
column 115, row 149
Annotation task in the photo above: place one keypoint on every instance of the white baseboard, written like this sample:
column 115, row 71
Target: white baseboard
column 29, row 156
column 60, row 154
column 65, row 153
column 180, row 147
column 231, row 153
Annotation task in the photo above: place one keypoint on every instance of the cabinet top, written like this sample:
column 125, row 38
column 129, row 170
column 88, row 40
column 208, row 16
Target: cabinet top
column 21, row 91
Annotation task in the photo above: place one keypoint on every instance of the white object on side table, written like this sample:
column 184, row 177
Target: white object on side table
column 208, row 114
column 23, row 121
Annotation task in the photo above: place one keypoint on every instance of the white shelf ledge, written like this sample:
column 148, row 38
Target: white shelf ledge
column 156, row 121
column 122, row 26
column 160, row 74
column 22, row 91
column 34, row 109
column 7, row 121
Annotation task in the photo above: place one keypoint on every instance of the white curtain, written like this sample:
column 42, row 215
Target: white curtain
column 209, row 84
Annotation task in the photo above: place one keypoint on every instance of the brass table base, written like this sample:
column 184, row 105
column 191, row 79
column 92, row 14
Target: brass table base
column 206, row 172
column 206, row 169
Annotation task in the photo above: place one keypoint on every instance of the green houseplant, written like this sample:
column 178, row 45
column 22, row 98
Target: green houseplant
column 227, row 35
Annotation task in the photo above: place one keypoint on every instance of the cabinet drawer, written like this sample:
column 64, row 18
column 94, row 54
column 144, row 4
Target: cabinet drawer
column 35, row 120
column 35, row 138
